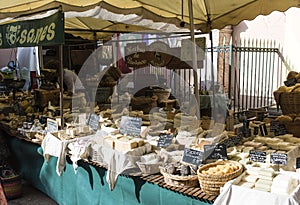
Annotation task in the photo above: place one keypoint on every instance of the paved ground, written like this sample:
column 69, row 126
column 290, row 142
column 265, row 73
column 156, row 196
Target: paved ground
column 32, row 196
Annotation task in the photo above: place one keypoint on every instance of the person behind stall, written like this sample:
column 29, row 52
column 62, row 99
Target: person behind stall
column 71, row 82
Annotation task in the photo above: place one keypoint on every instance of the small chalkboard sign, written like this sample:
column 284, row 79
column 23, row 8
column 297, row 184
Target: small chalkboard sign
column 93, row 121
column 257, row 156
column 52, row 125
column 290, row 82
column 233, row 140
column 278, row 128
column 130, row 125
column 165, row 140
column 278, row 158
column 297, row 162
column 218, row 151
column 192, row 156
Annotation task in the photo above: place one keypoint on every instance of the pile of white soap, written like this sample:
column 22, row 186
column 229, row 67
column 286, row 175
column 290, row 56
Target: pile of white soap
column 265, row 179
column 284, row 184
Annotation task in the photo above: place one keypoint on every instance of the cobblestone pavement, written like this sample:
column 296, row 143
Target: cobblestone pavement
column 32, row 196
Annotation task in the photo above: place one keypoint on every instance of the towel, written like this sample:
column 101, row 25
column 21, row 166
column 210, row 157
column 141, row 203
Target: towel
column 53, row 146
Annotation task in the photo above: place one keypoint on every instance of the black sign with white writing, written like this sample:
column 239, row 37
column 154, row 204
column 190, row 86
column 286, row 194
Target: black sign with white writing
column 131, row 125
column 278, row 158
column 290, row 82
column 165, row 140
column 192, row 156
column 278, row 128
column 258, row 156
column 93, row 121
column 297, row 162
column 215, row 152
column 234, row 140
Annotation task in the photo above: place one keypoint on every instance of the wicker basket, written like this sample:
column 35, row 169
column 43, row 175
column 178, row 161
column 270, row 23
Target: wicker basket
column 211, row 184
column 11, row 183
column 162, row 94
column 289, row 102
column 293, row 128
column 148, row 169
column 180, row 181
column 144, row 104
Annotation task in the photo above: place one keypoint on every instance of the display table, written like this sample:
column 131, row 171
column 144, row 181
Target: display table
column 88, row 185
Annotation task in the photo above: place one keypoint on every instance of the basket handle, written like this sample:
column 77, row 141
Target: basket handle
column 295, row 87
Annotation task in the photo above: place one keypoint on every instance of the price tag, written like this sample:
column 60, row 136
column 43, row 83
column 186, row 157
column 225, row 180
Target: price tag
column 290, row 82
column 297, row 162
column 93, row 121
column 278, row 158
column 131, row 125
column 278, row 128
column 257, row 156
column 234, row 140
column 218, row 151
column 165, row 140
column 192, row 156
column 52, row 125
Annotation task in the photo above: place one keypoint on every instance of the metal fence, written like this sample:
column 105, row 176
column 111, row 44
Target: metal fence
column 247, row 74
column 256, row 69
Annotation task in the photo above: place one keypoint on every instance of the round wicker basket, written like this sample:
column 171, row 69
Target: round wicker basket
column 289, row 102
column 162, row 94
column 180, row 181
column 211, row 183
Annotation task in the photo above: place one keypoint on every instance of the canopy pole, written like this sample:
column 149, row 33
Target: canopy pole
column 61, row 87
column 194, row 56
column 212, row 71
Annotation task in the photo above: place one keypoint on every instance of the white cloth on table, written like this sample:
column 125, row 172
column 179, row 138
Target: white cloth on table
column 117, row 162
column 77, row 150
column 237, row 195
column 52, row 146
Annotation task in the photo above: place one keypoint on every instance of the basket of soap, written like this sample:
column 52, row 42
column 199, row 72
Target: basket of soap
column 179, row 175
column 214, row 175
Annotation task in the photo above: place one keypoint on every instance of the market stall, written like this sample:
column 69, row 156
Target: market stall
column 105, row 155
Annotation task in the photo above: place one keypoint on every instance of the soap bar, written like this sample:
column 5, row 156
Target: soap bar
column 264, row 185
column 124, row 145
column 283, row 184
column 268, row 172
column 250, row 178
column 249, row 185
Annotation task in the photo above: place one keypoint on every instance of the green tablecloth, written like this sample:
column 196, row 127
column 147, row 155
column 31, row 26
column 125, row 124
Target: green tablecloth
column 88, row 186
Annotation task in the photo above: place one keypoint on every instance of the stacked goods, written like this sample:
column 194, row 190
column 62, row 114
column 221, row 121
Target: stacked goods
column 266, row 179
column 214, row 175
column 144, row 103
column 284, row 184
column 258, row 178
column 291, row 123
column 162, row 94
column 288, row 96
column 283, row 144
